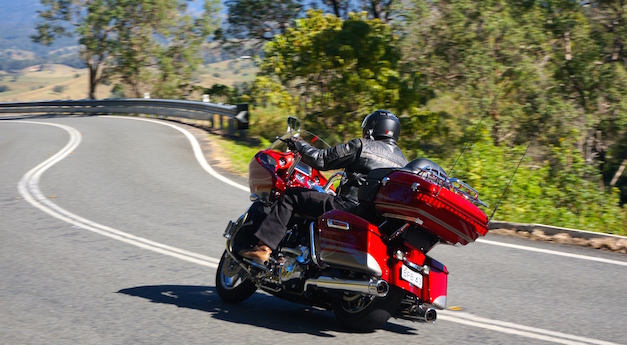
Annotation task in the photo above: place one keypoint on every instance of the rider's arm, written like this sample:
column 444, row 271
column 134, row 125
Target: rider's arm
column 336, row 157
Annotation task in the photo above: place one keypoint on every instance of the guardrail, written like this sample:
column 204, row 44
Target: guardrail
column 237, row 114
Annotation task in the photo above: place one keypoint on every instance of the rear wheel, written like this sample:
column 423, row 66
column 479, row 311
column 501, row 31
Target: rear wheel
column 233, row 283
column 366, row 313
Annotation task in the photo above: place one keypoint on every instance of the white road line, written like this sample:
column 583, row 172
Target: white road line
column 203, row 162
column 197, row 151
column 554, row 252
column 513, row 328
column 28, row 187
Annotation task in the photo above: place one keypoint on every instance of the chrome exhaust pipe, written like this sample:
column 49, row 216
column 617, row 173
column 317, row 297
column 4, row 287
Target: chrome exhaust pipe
column 422, row 314
column 375, row 287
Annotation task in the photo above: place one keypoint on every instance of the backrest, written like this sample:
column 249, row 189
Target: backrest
column 368, row 190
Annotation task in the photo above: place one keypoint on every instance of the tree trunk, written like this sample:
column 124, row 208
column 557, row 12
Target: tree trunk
column 93, row 82
column 618, row 173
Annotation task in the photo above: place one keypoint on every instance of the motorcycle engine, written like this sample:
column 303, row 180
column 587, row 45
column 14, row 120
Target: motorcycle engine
column 293, row 266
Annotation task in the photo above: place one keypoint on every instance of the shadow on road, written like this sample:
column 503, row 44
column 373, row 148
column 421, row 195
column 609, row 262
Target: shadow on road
column 259, row 310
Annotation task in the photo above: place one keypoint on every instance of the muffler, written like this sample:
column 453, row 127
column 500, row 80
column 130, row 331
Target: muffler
column 375, row 287
column 421, row 314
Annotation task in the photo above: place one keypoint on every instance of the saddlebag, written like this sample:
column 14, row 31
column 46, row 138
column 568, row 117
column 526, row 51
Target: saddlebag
column 348, row 241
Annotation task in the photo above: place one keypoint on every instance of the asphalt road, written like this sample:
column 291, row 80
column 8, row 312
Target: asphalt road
column 110, row 232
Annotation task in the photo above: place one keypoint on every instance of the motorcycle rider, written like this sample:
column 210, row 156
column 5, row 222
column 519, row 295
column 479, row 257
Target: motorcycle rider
column 376, row 149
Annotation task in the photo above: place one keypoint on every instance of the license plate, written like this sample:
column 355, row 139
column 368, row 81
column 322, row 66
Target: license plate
column 411, row 276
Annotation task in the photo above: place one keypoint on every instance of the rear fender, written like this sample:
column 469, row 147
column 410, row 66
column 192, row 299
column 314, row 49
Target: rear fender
column 428, row 277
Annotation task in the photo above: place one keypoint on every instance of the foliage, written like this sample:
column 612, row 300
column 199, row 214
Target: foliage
column 541, row 194
column 260, row 19
column 151, row 46
column 333, row 72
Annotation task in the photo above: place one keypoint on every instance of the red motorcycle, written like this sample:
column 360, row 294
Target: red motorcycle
column 366, row 264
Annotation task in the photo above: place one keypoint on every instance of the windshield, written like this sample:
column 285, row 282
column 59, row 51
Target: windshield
column 309, row 137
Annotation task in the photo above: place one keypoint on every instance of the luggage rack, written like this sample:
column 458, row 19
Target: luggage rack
column 469, row 193
column 442, row 180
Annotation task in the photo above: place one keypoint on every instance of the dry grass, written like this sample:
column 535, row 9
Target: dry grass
column 35, row 83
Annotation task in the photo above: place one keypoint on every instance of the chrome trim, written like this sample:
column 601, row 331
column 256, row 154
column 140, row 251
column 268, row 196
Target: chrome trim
column 412, row 265
column 338, row 224
column 398, row 232
column 252, row 263
column 312, row 240
column 440, row 302
column 337, row 254
column 422, row 313
column 434, row 219
column 407, row 218
column 332, row 179
column 290, row 170
column 414, row 186
column 373, row 265
column 385, row 181
column 472, row 198
column 374, row 287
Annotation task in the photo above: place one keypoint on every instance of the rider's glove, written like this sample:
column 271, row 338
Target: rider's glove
column 292, row 143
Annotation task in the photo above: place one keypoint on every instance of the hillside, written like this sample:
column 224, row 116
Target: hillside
column 17, row 24
column 47, row 82
column 52, row 81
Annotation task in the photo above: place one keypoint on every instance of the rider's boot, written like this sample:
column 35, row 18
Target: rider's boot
column 259, row 253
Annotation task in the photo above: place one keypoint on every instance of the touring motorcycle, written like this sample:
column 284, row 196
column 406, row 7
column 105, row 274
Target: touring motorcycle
column 367, row 264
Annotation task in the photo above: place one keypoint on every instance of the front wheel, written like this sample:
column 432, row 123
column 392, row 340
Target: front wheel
column 365, row 313
column 233, row 283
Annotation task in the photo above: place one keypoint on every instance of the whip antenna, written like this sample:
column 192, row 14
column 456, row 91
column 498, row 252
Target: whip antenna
column 514, row 174
column 477, row 128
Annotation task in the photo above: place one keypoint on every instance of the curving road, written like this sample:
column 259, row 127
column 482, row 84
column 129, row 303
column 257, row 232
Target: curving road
column 110, row 232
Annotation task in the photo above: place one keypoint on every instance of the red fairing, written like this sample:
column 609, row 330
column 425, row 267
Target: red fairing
column 267, row 174
column 440, row 211
column 349, row 241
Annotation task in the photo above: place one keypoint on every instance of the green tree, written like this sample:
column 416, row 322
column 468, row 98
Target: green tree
column 158, row 53
column 259, row 20
column 562, row 64
column 150, row 45
column 91, row 20
column 334, row 71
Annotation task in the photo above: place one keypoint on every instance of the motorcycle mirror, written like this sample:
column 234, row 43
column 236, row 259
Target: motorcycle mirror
column 293, row 124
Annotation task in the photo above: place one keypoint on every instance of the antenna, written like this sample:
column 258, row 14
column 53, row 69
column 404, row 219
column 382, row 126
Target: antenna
column 514, row 174
column 476, row 128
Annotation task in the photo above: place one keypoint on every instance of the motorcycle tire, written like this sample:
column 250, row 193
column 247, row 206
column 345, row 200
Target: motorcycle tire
column 233, row 283
column 366, row 313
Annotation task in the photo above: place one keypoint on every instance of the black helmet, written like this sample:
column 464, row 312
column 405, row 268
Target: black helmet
column 419, row 164
column 381, row 124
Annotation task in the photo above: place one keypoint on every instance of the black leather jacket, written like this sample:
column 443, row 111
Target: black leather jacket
column 357, row 157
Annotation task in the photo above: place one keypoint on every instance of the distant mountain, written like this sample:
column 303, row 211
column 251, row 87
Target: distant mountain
column 17, row 24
